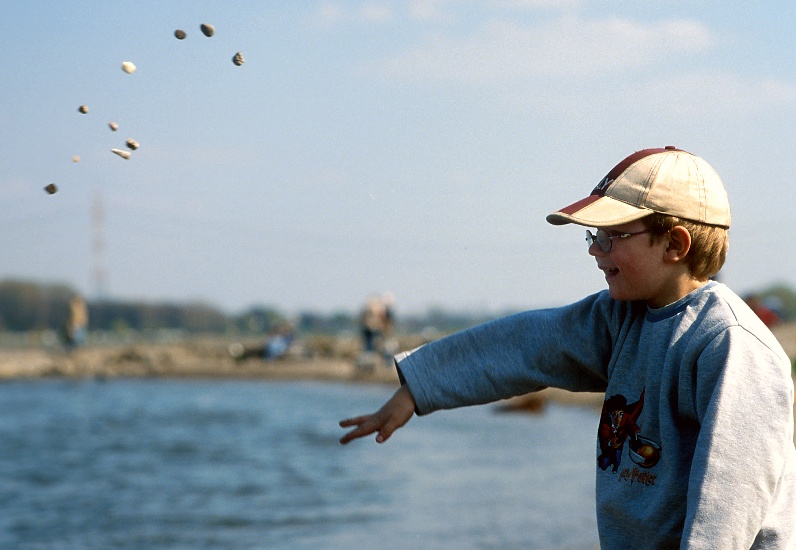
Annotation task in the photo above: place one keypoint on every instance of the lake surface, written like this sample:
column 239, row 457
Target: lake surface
column 253, row 464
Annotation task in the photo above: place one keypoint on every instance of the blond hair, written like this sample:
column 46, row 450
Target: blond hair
column 709, row 243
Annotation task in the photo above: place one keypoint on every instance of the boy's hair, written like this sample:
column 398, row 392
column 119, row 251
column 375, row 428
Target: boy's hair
column 709, row 243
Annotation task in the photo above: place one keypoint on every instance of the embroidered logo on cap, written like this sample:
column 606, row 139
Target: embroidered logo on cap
column 603, row 186
column 620, row 168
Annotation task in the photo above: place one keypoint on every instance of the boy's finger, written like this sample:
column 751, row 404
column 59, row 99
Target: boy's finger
column 356, row 421
column 387, row 430
column 357, row 433
column 366, row 425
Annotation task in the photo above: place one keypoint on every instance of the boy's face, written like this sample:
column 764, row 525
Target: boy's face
column 634, row 268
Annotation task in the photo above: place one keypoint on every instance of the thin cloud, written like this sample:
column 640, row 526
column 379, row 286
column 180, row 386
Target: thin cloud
column 777, row 92
column 710, row 94
column 534, row 4
column 327, row 15
column 376, row 13
column 430, row 11
column 445, row 10
column 331, row 14
column 562, row 48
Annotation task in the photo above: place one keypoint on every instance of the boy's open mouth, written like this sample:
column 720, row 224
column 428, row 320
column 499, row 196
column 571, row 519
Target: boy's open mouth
column 610, row 272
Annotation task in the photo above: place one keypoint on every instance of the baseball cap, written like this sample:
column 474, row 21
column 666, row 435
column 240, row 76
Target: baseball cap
column 664, row 180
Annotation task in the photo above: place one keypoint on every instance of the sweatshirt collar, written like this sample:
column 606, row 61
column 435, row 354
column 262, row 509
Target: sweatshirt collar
column 670, row 310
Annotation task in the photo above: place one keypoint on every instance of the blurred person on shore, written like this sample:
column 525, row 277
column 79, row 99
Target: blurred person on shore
column 377, row 323
column 371, row 323
column 76, row 329
column 276, row 346
column 695, row 440
column 389, row 345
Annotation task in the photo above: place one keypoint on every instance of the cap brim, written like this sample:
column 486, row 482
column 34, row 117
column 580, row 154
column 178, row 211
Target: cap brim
column 597, row 211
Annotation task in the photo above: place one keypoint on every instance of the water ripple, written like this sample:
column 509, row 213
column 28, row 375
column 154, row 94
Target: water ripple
column 166, row 464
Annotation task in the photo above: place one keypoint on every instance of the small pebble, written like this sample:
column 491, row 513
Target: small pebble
column 113, row 126
column 124, row 154
column 75, row 158
column 83, row 109
column 51, row 189
column 207, row 30
column 128, row 67
column 180, row 34
column 132, row 144
column 237, row 59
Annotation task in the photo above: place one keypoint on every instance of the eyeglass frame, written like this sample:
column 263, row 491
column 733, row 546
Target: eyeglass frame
column 608, row 242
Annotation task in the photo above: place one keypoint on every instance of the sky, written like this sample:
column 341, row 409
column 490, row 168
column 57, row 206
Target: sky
column 406, row 146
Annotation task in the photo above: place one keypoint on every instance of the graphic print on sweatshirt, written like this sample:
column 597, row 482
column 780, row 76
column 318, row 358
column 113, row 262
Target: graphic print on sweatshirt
column 618, row 424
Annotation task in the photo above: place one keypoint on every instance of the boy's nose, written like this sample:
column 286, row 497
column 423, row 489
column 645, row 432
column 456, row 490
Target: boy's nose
column 595, row 250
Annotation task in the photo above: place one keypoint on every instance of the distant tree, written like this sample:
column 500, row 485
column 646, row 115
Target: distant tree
column 196, row 317
column 259, row 320
column 27, row 306
column 444, row 321
column 109, row 315
column 200, row 317
column 319, row 323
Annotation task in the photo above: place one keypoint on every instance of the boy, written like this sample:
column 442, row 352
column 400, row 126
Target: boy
column 695, row 440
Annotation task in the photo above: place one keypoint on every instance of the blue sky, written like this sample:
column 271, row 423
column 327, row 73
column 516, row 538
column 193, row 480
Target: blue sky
column 409, row 146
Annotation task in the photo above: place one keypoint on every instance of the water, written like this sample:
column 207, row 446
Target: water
column 242, row 464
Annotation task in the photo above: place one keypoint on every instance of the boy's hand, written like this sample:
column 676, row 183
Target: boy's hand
column 395, row 413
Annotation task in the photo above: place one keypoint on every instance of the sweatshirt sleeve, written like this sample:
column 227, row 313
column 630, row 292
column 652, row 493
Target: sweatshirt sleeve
column 744, row 400
column 567, row 347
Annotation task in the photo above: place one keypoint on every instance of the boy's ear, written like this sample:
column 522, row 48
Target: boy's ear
column 679, row 244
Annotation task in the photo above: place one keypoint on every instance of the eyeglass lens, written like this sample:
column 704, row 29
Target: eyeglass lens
column 601, row 238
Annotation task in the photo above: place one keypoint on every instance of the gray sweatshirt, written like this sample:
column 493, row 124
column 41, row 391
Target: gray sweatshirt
column 695, row 441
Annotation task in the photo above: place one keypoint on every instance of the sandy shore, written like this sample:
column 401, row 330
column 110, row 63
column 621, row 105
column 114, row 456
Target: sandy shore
column 210, row 358
column 195, row 359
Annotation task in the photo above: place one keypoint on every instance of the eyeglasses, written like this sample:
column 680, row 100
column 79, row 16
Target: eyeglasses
column 606, row 241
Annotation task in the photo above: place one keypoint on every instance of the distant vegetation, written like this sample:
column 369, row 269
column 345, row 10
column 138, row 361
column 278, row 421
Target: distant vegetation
column 27, row 306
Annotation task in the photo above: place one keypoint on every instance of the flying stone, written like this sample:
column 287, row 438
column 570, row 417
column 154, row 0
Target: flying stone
column 237, row 59
column 132, row 144
column 51, row 189
column 180, row 34
column 207, row 30
column 124, row 154
column 75, row 158
column 128, row 67
column 83, row 109
column 113, row 126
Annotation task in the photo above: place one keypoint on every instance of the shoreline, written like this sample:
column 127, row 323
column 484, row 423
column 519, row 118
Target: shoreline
column 209, row 358
column 186, row 360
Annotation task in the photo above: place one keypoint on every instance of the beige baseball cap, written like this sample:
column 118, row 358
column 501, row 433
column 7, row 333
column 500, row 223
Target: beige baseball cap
column 668, row 181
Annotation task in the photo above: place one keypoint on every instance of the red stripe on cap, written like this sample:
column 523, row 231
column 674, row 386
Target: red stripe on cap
column 617, row 170
column 577, row 206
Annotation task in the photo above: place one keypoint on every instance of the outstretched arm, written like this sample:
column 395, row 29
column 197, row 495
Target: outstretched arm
column 395, row 413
